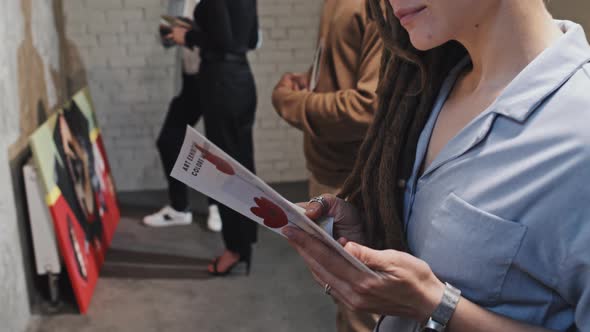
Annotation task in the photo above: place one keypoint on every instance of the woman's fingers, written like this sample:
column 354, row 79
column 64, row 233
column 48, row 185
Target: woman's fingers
column 315, row 210
column 378, row 260
column 343, row 241
column 334, row 292
column 302, row 204
column 347, row 284
column 313, row 251
column 325, row 263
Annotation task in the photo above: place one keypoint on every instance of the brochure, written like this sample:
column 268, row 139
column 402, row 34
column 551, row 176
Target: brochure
column 206, row 168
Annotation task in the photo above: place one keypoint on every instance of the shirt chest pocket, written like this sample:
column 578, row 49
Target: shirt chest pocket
column 470, row 248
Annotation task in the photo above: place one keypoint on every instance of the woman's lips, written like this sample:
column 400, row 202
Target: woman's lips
column 406, row 15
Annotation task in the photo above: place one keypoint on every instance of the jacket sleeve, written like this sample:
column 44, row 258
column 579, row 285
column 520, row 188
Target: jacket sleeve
column 340, row 116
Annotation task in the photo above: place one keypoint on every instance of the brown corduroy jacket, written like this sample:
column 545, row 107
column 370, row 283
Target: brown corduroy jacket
column 335, row 116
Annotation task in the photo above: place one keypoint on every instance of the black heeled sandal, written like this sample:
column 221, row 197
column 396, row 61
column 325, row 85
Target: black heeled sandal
column 243, row 259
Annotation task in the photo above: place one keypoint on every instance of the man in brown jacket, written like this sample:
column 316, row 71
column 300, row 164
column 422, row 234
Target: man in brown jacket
column 333, row 104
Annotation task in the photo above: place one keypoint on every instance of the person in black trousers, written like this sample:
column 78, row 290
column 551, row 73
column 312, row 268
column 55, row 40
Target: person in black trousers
column 224, row 31
column 183, row 110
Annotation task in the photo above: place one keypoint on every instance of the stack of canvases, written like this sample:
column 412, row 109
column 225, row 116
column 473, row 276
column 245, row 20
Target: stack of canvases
column 71, row 159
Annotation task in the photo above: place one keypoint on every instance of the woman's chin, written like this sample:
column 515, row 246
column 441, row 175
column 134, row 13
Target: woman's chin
column 423, row 42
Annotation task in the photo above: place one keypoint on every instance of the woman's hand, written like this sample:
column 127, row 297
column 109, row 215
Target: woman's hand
column 404, row 285
column 347, row 220
column 178, row 35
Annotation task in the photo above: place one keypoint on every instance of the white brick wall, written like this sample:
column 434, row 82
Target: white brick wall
column 289, row 31
column 132, row 79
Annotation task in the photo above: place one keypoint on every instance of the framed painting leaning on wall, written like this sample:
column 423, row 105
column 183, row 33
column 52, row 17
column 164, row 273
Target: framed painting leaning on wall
column 70, row 157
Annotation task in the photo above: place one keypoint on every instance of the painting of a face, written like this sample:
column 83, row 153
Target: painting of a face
column 77, row 163
column 72, row 163
column 76, row 172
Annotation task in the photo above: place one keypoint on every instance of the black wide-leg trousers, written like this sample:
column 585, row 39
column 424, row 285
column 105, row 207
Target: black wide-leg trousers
column 184, row 109
column 224, row 93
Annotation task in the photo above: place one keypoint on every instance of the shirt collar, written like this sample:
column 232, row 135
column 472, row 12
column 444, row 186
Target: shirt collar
column 542, row 77
column 546, row 74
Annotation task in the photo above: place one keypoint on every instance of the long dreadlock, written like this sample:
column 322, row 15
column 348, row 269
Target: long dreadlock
column 409, row 83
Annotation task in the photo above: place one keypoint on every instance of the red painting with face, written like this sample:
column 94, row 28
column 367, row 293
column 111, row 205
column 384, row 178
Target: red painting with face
column 72, row 162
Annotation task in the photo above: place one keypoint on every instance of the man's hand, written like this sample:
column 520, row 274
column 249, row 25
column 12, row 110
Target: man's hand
column 302, row 81
column 285, row 91
column 294, row 81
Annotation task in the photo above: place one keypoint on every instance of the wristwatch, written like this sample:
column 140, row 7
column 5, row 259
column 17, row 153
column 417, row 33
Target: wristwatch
column 443, row 312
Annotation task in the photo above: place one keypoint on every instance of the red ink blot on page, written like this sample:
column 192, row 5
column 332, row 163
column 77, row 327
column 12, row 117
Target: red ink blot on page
column 221, row 165
column 272, row 215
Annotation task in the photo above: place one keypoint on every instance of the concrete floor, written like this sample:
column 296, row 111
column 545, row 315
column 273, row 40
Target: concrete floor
column 156, row 280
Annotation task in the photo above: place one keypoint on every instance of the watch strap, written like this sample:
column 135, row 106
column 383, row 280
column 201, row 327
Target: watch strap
column 443, row 312
column 433, row 326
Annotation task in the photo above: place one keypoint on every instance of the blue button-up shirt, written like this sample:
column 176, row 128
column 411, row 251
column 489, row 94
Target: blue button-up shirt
column 503, row 212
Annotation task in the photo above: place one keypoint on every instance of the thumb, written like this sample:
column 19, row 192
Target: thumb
column 377, row 260
column 315, row 210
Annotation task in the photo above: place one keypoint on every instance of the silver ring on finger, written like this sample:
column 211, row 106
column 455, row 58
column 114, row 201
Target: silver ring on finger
column 320, row 200
column 327, row 289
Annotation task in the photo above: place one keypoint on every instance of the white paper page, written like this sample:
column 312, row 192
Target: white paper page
column 206, row 168
column 316, row 66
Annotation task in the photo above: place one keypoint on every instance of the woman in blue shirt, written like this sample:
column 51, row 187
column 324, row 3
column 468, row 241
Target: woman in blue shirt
column 477, row 166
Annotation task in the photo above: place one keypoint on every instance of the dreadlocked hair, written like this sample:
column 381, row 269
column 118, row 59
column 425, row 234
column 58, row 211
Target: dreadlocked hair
column 409, row 83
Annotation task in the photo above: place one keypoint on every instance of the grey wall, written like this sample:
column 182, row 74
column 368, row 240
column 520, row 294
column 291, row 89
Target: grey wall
column 14, row 311
column 33, row 84
column 575, row 10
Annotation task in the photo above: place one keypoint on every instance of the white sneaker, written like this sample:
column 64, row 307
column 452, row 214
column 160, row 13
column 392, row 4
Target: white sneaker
column 214, row 219
column 167, row 216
